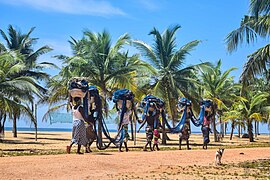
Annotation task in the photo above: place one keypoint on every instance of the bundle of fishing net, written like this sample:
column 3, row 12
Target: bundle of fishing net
column 152, row 101
column 123, row 95
column 78, row 87
column 208, row 104
column 182, row 102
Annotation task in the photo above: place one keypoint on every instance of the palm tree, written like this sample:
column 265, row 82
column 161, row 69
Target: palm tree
column 257, row 23
column 169, row 80
column 260, row 85
column 250, row 109
column 234, row 115
column 16, row 92
column 217, row 86
column 23, row 43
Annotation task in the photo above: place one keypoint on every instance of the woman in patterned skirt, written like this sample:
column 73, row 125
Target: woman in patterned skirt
column 78, row 130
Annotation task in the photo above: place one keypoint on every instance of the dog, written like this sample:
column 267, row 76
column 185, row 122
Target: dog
column 219, row 154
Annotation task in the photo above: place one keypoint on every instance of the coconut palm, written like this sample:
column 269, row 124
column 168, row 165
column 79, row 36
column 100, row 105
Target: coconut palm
column 23, row 43
column 234, row 116
column 169, row 79
column 256, row 24
column 260, row 85
column 16, row 93
column 251, row 110
column 217, row 86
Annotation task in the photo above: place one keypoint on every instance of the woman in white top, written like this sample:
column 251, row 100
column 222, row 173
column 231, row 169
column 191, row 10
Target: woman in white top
column 78, row 130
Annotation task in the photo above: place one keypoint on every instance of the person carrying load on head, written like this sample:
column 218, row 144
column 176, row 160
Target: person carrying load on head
column 185, row 132
column 206, row 123
column 78, row 130
column 123, row 99
column 94, row 110
column 152, row 106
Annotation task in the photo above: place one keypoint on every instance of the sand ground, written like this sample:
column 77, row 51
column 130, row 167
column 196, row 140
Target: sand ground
column 135, row 164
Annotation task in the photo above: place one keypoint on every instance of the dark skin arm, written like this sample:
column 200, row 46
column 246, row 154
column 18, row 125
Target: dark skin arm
column 82, row 113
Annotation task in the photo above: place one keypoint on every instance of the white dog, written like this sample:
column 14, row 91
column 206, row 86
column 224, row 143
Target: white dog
column 219, row 154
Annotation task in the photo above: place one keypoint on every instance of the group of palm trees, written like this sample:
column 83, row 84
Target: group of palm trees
column 162, row 73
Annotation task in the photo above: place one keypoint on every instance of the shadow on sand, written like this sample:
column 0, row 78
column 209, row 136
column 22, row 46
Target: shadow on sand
column 22, row 142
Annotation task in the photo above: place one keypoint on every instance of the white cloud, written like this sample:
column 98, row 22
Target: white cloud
column 81, row 7
column 149, row 4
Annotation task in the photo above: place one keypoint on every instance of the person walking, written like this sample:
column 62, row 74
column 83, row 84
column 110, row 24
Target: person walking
column 78, row 130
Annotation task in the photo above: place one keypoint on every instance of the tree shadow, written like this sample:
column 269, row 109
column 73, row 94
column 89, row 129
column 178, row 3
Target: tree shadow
column 102, row 154
column 52, row 138
column 45, row 134
column 22, row 142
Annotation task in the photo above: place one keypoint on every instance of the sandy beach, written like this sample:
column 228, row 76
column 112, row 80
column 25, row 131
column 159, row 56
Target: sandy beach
column 135, row 164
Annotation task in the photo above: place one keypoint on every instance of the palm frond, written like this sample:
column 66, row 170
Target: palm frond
column 238, row 36
column 257, row 63
column 148, row 52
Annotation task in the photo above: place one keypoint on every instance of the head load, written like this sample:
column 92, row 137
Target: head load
column 152, row 101
column 184, row 102
column 78, row 87
column 123, row 97
column 208, row 104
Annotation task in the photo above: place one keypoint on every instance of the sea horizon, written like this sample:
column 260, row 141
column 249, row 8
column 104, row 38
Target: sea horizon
column 110, row 130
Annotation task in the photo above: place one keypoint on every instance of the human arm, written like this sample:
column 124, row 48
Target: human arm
column 83, row 115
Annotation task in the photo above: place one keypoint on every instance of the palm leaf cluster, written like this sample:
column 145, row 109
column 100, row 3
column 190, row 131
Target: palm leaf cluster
column 20, row 75
column 252, row 26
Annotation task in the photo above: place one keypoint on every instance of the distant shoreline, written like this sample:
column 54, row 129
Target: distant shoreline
column 110, row 130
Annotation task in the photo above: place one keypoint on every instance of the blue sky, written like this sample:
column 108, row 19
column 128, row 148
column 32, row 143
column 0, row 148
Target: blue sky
column 206, row 20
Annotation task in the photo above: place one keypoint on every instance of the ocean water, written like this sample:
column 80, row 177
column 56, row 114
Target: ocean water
column 110, row 130
column 47, row 129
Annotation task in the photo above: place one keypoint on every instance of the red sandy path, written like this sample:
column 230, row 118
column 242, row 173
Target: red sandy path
column 101, row 165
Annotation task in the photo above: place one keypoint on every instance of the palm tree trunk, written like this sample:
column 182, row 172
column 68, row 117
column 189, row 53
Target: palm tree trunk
column 163, row 133
column 255, row 128
column 239, row 130
column 14, row 130
column 258, row 128
column 36, row 121
column 250, row 131
column 221, row 126
column 225, row 128
column 2, row 126
column 232, row 131
column 214, row 124
column 104, row 92
column 131, row 127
